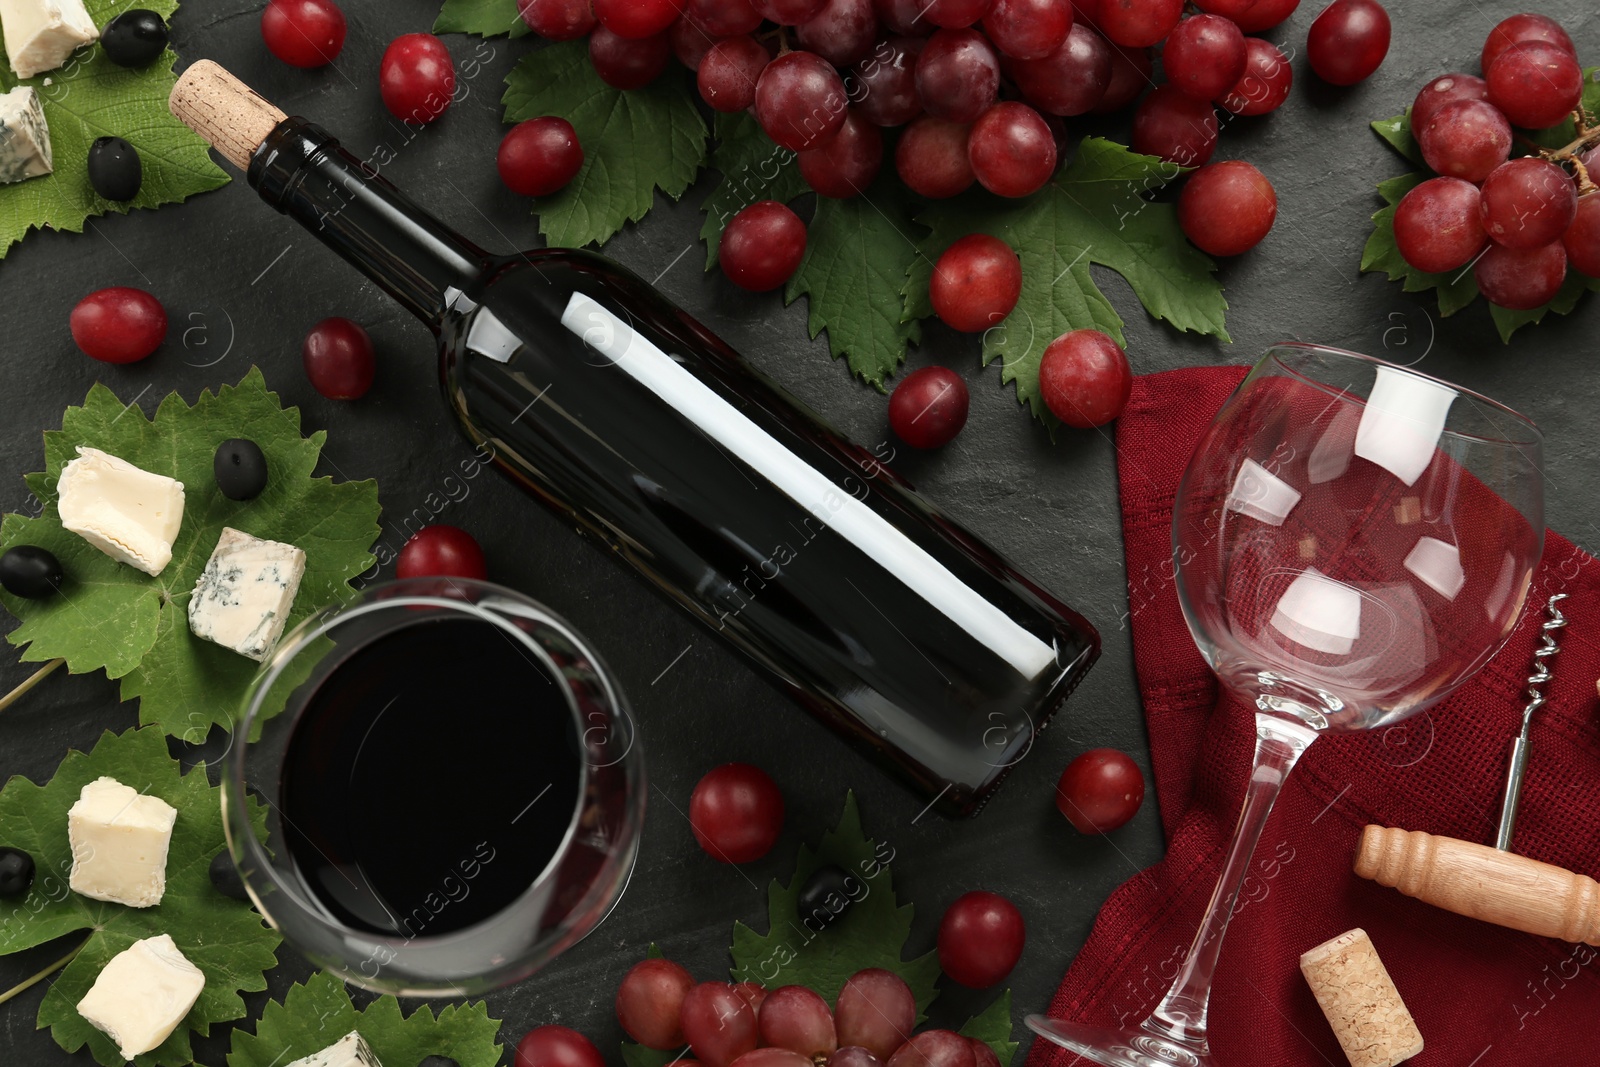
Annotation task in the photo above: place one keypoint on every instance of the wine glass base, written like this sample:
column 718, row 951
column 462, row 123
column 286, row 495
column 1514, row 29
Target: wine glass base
column 1134, row 1047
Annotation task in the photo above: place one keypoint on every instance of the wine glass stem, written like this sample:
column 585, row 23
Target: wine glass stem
column 1181, row 1015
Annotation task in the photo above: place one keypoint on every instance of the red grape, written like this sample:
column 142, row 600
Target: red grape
column 790, row 12
column 1266, row 81
column 718, row 1023
column 539, row 156
column 980, row 939
column 736, row 812
column 1437, row 226
column 1227, row 208
column 1069, row 81
column 1028, row 29
column 1175, row 127
column 1205, row 56
column 1527, row 202
column 955, row 14
column 1536, row 84
column 1348, row 41
column 853, row 1056
column 762, row 247
column 875, row 1010
column 1521, row 278
column 1252, row 16
column 888, row 81
column 1443, row 90
column 628, row 64
column 958, row 75
column 843, row 33
column 303, row 33
column 634, row 19
column 848, row 162
column 934, row 1048
column 1519, row 28
column 1131, row 73
column 975, row 283
column 929, row 407
column 1085, row 379
column 723, row 18
column 118, row 325
column 729, row 72
column 441, row 551
column 689, row 42
column 931, row 158
column 754, row 994
column 772, row 1057
column 904, row 17
column 1465, row 139
column 1086, row 11
column 800, row 100
column 417, row 78
column 1100, row 790
column 1139, row 23
column 558, row 20
column 1582, row 239
column 1011, row 149
column 339, row 359
column 793, row 1017
column 649, row 1001
column 557, row 1046
column 983, row 1053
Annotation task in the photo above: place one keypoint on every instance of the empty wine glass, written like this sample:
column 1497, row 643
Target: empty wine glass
column 1353, row 541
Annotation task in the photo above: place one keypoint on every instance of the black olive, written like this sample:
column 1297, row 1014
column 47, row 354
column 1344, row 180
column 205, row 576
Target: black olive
column 134, row 38
column 240, row 469
column 30, row 571
column 826, row 895
column 114, row 168
column 16, row 872
column 225, row 877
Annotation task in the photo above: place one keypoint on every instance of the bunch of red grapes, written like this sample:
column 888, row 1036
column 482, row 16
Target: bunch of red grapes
column 1521, row 223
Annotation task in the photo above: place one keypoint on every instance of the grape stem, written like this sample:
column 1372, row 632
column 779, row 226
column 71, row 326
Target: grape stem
column 28, row 983
column 33, row 679
column 1588, row 137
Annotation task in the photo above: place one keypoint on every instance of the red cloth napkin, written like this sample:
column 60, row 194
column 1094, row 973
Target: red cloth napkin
column 1482, row 996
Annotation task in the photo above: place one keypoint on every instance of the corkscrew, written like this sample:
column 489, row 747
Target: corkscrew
column 1493, row 884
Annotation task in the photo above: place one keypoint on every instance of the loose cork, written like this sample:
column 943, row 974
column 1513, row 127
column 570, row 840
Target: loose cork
column 1360, row 1000
column 224, row 111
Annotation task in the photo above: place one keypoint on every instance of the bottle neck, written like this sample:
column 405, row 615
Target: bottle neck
column 301, row 170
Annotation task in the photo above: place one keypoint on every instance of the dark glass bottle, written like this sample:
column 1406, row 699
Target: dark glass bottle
column 882, row 617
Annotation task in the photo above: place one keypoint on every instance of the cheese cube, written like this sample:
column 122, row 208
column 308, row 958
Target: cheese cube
column 24, row 136
column 142, row 995
column 131, row 515
column 243, row 597
column 119, row 844
column 349, row 1051
column 41, row 34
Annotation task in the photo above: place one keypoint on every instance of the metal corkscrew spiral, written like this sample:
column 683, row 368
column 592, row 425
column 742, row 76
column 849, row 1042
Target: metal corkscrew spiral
column 1536, row 699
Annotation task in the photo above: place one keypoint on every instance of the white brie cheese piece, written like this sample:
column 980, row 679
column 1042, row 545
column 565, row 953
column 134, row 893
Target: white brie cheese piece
column 243, row 597
column 119, row 844
column 24, row 137
column 142, row 995
column 41, row 34
column 349, row 1051
column 131, row 515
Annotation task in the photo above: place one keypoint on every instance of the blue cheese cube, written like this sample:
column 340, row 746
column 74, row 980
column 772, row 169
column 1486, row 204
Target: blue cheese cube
column 41, row 34
column 119, row 841
column 24, row 136
column 142, row 995
column 349, row 1051
column 243, row 597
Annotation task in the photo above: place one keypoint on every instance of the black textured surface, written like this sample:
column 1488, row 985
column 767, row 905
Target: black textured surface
column 241, row 286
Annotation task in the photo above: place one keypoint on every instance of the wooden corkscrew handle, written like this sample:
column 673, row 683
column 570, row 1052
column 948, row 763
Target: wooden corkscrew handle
column 1483, row 883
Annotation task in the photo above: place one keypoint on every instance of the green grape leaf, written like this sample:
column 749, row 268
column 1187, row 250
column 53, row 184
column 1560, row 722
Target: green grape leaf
column 857, row 255
column 872, row 933
column 753, row 168
column 1094, row 211
column 134, row 626
column 91, row 97
column 486, row 18
column 315, row 1015
column 633, row 142
column 992, row 1026
column 223, row 937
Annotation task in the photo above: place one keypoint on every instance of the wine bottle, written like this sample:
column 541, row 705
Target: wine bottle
column 618, row 410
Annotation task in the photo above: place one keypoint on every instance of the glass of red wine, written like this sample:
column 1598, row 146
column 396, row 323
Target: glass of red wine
column 1353, row 540
column 436, row 788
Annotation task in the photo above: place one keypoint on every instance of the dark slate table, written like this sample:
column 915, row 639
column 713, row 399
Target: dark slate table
column 241, row 286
